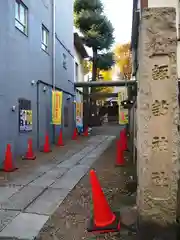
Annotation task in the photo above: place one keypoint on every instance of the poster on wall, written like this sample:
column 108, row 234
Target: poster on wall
column 79, row 116
column 25, row 115
column 56, row 106
column 123, row 113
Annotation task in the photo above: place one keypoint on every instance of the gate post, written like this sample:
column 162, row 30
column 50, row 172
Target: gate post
column 158, row 116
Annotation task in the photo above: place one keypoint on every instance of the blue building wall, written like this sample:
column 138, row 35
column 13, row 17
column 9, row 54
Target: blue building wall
column 22, row 60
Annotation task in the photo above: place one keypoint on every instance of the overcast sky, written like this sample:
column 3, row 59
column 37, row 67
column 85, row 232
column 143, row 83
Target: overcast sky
column 119, row 13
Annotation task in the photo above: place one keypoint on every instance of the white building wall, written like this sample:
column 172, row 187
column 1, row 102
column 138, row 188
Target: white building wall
column 78, row 59
column 162, row 3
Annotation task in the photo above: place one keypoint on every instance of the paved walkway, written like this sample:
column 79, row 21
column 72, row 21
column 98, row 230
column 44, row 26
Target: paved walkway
column 28, row 202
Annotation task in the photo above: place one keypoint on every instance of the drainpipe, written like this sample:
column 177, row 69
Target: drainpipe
column 53, row 43
column 38, row 131
column 53, row 52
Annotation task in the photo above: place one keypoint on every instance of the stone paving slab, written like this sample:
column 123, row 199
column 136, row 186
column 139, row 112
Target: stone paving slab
column 65, row 183
column 69, row 153
column 69, row 163
column 49, row 178
column 25, row 180
column 44, row 168
column 88, row 161
column 77, row 171
column 98, row 138
column 66, row 164
column 25, row 226
column 48, row 202
column 71, row 178
column 7, row 191
column 21, row 199
column 6, row 217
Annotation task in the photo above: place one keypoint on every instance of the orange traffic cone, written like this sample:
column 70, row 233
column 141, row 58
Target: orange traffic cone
column 122, row 132
column 119, row 154
column 75, row 134
column 86, row 134
column 104, row 220
column 125, row 142
column 123, row 139
column 60, row 139
column 29, row 154
column 47, row 148
column 8, row 162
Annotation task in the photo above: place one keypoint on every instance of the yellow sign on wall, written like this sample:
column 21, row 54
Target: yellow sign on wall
column 79, row 113
column 57, row 107
column 123, row 113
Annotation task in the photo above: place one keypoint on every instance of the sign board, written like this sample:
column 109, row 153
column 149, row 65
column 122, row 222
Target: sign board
column 25, row 115
column 123, row 113
column 79, row 114
column 57, row 107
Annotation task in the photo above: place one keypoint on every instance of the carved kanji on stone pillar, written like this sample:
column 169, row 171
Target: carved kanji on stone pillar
column 158, row 115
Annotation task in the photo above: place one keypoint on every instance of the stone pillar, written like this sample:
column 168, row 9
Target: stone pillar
column 157, row 116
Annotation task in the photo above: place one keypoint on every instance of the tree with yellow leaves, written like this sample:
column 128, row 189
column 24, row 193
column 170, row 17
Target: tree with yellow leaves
column 87, row 66
column 123, row 59
column 106, row 75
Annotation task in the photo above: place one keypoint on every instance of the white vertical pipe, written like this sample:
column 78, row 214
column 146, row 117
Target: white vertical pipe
column 53, row 43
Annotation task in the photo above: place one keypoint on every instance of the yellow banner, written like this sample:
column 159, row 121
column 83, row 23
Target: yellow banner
column 79, row 113
column 29, row 116
column 123, row 113
column 57, row 107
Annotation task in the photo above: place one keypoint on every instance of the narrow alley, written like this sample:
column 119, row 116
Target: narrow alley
column 42, row 192
column 90, row 120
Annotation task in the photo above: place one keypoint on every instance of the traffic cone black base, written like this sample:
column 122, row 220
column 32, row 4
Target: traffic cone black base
column 113, row 227
column 8, row 170
column 119, row 165
column 42, row 150
column 28, row 158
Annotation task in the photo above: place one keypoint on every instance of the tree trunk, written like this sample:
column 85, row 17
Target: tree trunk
column 94, row 68
column 94, row 75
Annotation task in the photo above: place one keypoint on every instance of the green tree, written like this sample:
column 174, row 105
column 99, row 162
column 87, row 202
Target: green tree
column 96, row 29
column 105, row 61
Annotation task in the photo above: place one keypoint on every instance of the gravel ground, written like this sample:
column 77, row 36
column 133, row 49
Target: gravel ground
column 70, row 220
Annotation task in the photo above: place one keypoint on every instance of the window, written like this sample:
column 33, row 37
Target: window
column 45, row 35
column 64, row 61
column 21, row 16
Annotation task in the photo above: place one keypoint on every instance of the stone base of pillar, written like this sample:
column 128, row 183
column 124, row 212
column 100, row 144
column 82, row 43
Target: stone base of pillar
column 154, row 231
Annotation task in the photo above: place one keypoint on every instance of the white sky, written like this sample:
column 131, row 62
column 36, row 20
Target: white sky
column 119, row 13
